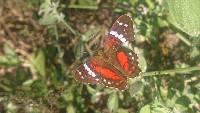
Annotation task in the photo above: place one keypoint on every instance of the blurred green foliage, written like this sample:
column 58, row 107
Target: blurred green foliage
column 10, row 58
column 185, row 15
column 167, row 37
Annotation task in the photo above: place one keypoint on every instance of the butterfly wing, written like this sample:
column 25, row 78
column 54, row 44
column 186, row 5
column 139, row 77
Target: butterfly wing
column 124, row 60
column 115, row 64
column 121, row 31
column 98, row 71
column 84, row 74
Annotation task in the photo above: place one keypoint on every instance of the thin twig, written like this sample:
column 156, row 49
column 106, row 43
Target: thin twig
column 69, row 27
column 170, row 71
column 88, row 49
column 83, row 7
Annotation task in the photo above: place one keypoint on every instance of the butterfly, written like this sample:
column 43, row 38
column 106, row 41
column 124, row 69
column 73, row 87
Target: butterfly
column 113, row 65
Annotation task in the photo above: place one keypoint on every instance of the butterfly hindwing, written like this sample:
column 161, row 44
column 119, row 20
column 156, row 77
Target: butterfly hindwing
column 128, row 61
column 84, row 74
column 124, row 60
column 97, row 70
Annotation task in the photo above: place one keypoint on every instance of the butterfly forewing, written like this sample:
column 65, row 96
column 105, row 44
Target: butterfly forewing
column 121, row 31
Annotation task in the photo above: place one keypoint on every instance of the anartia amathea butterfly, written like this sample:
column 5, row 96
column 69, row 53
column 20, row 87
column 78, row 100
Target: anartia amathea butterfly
column 113, row 65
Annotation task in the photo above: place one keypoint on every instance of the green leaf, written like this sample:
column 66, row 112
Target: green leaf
column 79, row 50
column 135, row 87
column 122, row 110
column 133, row 2
column 150, row 4
column 38, row 61
column 39, row 88
column 185, row 15
column 141, row 59
column 145, row 109
column 84, row 4
column 10, row 58
column 156, row 107
column 70, row 109
column 90, row 34
column 159, row 107
column 5, row 87
column 113, row 102
column 8, row 50
column 183, row 101
column 68, row 97
column 11, row 108
column 88, row 2
column 194, row 52
column 28, row 82
column 49, row 14
column 91, row 90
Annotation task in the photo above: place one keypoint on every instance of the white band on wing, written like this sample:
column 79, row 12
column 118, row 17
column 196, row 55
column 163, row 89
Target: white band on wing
column 90, row 72
column 119, row 36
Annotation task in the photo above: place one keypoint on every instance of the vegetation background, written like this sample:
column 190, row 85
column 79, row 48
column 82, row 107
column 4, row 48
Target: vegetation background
column 41, row 40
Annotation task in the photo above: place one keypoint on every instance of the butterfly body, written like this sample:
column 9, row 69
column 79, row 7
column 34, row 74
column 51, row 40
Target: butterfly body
column 113, row 65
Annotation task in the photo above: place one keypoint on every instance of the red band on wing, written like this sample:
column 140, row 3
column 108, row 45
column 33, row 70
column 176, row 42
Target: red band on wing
column 123, row 60
column 107, row 73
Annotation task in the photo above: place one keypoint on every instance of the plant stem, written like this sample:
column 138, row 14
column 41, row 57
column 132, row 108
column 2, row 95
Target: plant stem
column 69, row 27
column 56, row 32
column 57, row 43
column 171, row 71
column 83, row 7
column 182, row 38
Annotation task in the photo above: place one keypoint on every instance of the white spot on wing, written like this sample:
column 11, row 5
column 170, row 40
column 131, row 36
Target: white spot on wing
column 97, row 79
column 120, row 23
column 125, row 25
